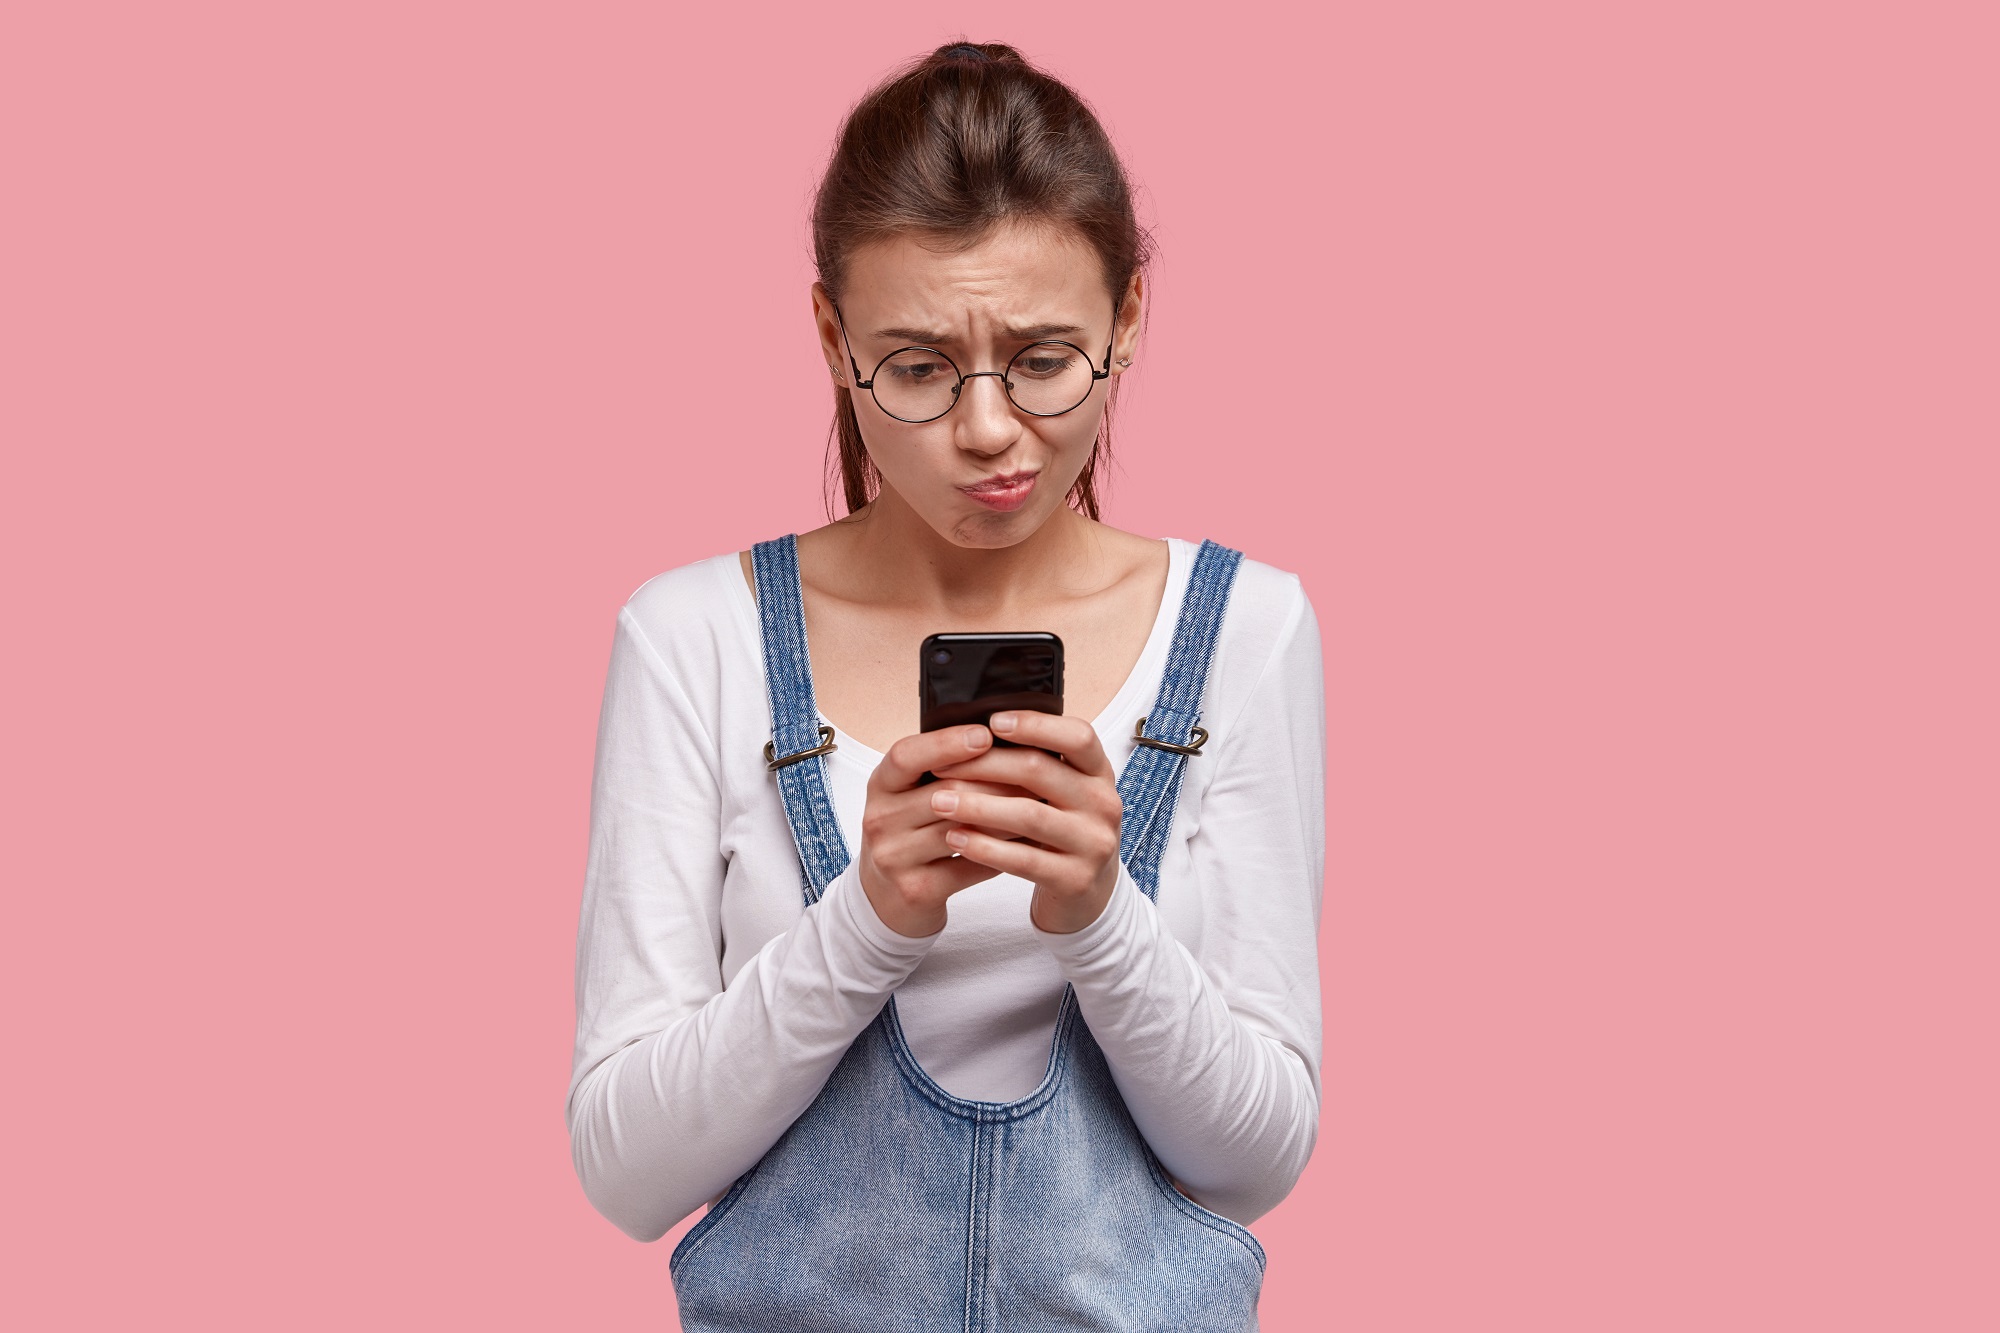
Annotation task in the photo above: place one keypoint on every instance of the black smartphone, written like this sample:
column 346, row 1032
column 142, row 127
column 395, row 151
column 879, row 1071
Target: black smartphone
column 965, row 678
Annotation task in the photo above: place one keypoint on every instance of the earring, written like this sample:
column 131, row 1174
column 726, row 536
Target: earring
column 1124, row 360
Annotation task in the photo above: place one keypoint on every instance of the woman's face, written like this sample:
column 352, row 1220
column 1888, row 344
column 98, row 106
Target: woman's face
column 985, row 474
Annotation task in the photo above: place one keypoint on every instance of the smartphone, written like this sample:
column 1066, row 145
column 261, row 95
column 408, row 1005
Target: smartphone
column 965, row 678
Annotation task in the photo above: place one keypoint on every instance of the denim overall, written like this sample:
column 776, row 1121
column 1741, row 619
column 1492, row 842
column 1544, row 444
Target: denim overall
column 891, row 1205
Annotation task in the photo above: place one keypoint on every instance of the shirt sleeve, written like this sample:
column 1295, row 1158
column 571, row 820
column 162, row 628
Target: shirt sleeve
column 679, row 1086
column 1218, row 1057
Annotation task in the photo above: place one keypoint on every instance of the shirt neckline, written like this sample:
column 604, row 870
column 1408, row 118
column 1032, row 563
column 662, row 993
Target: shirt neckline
column 1121, row 702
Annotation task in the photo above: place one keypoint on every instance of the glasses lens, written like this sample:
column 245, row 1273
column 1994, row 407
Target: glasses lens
column 915, row 384
column 1048, row 378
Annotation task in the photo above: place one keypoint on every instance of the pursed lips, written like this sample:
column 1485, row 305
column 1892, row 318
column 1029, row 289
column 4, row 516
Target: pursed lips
column 1003, row 492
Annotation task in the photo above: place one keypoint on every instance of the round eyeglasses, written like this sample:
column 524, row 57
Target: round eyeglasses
column 919, row 384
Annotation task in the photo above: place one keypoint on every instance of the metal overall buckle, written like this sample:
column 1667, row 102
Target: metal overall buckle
column 774, row 763
column 1200, row 738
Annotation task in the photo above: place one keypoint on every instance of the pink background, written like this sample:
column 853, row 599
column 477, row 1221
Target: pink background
column 1622, row 382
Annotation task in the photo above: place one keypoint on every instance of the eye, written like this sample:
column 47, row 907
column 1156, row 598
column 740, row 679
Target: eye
column 1045, row 362
column 918, row 368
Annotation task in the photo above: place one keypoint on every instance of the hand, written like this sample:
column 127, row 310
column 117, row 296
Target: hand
column 1070, row 817
column 906, row 868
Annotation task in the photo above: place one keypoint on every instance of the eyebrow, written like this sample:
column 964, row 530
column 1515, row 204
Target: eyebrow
column 1027, row 334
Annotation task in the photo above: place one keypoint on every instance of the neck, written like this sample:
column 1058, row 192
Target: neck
column 893, row 555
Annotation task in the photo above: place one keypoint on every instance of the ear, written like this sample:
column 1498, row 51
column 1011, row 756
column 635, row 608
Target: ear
column 1131, row 316
column 832, row 347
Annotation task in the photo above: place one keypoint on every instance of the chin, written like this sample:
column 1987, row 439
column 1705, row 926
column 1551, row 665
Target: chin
column 993, row 532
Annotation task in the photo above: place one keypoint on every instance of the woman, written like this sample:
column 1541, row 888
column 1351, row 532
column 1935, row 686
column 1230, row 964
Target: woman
column 971, row 1075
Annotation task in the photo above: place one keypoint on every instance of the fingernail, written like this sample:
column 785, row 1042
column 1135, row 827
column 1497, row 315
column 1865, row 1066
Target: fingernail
column 944, row 802
column 976, row 739
column 957, row 839
column 1001, row 722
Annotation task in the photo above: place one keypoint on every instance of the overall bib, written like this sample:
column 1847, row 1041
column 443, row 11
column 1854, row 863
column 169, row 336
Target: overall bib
column 891, row 1205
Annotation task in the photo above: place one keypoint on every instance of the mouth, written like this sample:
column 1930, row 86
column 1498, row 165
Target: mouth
column 1005, row 492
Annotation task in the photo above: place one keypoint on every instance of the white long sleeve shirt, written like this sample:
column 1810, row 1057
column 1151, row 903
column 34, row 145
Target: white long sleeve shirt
column 712, row 1004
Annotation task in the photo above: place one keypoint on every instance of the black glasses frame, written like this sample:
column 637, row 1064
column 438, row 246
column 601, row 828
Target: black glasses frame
column 957, row 389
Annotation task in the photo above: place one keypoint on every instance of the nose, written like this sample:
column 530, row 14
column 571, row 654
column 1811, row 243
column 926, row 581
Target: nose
column 986, row 422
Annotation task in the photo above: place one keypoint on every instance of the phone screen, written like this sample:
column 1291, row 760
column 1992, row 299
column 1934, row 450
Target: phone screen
column 966, row 678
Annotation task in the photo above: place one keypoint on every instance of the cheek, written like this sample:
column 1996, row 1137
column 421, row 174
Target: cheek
column 907, row 452
column 1078, row 430
column 1071, row 438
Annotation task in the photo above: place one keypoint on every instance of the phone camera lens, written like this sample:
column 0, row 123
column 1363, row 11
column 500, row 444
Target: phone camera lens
column 941, row 656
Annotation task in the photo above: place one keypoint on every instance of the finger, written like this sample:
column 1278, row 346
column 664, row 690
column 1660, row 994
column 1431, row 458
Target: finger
column 1045, row 824
column 954, row 873
column 903, row 832
column 1071, row 737
column 1034, row 864
column 969, row 784
column 893, row 813
column 913, row 756
column 922, row 886
column 1040, row 774
column 890, row 814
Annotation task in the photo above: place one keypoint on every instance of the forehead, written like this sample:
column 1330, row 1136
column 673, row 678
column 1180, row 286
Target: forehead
column 1015, row 271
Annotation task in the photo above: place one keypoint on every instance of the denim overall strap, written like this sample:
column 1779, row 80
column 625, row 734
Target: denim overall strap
column 795, row 720
column 1151, row 783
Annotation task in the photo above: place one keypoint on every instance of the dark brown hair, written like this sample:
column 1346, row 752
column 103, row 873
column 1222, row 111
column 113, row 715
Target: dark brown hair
column 970, row 136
